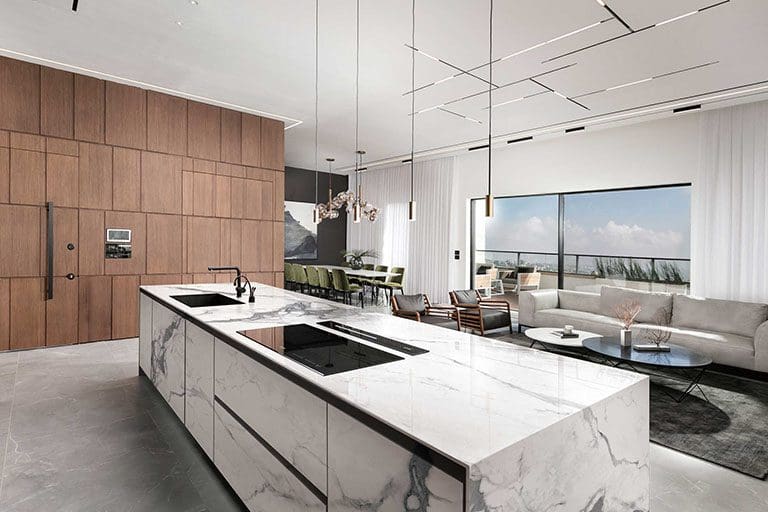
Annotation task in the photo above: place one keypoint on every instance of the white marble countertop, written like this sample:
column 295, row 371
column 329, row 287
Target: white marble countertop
column 468, row 397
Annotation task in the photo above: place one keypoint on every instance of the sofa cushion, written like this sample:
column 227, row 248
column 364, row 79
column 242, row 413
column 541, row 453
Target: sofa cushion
column 742, row 318
column 656, row 306
column 494, row 319
column 466, row 296
column 580, row 320
column 410, row 302
column 724, row 348
column 580, row 301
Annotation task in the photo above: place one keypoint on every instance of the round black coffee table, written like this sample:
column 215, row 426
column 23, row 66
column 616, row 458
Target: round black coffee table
column 679, row 361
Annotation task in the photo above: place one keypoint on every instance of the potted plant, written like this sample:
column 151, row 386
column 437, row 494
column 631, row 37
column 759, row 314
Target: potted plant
column 626, row 312
column 355, row 257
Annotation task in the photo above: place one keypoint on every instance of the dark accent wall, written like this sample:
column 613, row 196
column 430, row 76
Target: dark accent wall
column 331, row 234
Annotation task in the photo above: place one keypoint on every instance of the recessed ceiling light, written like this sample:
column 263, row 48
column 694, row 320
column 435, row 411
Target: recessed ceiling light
column 193, row 2
column 179, row 23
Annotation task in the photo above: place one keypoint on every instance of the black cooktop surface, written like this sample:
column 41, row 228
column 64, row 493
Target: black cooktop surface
column 323, row 351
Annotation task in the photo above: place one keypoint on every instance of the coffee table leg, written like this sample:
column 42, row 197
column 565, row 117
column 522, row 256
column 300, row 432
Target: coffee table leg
column 694, row 384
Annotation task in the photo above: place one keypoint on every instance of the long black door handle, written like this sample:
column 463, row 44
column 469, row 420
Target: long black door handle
column 49, row 252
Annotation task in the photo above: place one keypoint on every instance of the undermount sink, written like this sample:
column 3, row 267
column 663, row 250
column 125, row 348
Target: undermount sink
column 205, row 300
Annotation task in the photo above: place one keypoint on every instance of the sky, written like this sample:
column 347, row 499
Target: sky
column 640, row 223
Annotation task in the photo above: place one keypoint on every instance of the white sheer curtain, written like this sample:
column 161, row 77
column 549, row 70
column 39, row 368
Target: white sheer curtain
column 422, row 247
column 729, row 253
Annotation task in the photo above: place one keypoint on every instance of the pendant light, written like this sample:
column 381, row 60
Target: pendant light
column 489, row 196
column 356, row 207
column 315, row 211
column 411, row 202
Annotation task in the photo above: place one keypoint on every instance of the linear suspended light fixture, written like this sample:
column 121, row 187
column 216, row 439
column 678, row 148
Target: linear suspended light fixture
column 411, row 202
column 489, row 196
column 315, row 211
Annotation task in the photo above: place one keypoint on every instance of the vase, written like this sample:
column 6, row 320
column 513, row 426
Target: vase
column 355, row 263
column 626, row 338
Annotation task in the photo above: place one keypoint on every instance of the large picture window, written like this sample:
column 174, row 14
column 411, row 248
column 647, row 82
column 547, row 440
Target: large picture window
column 638, row 238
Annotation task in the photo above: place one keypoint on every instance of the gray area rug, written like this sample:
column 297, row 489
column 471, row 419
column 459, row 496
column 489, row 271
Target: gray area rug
column 730, row 430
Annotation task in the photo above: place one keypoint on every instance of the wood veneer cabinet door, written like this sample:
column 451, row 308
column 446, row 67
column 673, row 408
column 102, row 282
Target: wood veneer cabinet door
column 164, row 247
column 5, row 174
column 203, row 243
column 95, row 318
column 20, row 241
column 166, row 123
column 126, row 179
column 251, row 136
column 125, row 307
column 272, row 144
column 27, row 313
column 204, row 131
column 91, row 234
column 126, row 116
column 65, row 232
column 57, row 99
column 231, row 136
column 89, row 109
column 161, row 186
column 20, row 98
column 62, row 182
column 95, row 176
column 61, row 312
column 27, row 177
column 5, row 309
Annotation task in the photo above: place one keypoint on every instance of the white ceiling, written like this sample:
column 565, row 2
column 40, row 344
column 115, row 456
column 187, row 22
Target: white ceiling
column 259, row 55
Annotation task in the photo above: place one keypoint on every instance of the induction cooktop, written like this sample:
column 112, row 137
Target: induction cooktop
column 325, row 352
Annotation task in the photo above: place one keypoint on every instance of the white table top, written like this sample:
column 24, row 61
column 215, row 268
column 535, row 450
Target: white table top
column 546, row 335
column 371, row 274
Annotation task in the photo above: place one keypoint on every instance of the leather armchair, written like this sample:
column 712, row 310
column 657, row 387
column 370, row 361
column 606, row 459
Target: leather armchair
column 480, row 314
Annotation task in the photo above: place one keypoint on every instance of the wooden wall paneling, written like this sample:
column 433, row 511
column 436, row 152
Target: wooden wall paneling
column 267, row 200
column 272, row 144
column 280, row 279
column 231, row 136
column 61, row 313
column 225, row 239
column 125, row 306
column 62, row 182
column 204, row 131
column 237, row 198
column 203, row 243
column 20, row 98
column 264, row 278
column 91, row 247
column 137, row 223
column 164, row 244
column 5, row 310
column 251, row 135
column 4, row 139
column 5, row 175
column 95, row 308
column 265, row 246
column 62, row 147
column 27, row 177
column 224, row 169
column 203, row 203
column 253, row 199
column 188, row 279
column 126, row 179
column 57, row 103
column 279, row 196
column 249, row 245
column 27, row 141
column 187, row 163
column 95, row 176
column 184, row 243
column 27, row 313
column 188, row 193
column 205, row 166
column 237, row 171
column 222, row 278
column 65, row 231
column 223, row 202
column 89, row 109
column 125, row 116
column 166, row 123
column 235, row 242
column 19, row 241
column 278, row 246
column 160, row 279
column 161, row 187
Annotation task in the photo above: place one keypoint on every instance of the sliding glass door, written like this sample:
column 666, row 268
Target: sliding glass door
column 637, row 238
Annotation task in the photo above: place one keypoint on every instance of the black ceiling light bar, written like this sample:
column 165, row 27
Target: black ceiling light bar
column 575, row 129
column 560, row 94
column 74, row 5
column 475, row 148
column 611, row 39
column 613, row 13
column 453, row 66
column 686, row 109
column 521, row 139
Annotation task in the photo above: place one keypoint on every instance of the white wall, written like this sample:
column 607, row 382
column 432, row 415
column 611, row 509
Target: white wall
column 650, row 153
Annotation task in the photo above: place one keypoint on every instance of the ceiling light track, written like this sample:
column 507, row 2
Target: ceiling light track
column 616, row 16
column 446, row 63
column 519, row 52
column 460, row 115
column 557, row 93
column 649, row 27
column 648, row 79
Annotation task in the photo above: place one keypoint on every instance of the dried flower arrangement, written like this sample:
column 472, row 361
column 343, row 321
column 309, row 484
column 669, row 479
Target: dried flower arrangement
column 626, row 312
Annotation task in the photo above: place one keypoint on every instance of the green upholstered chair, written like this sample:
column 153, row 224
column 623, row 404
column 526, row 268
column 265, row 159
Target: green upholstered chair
column 300, row 275
column 342, row 286
column 376, row 281
column 313, row 279
column 288, row 275
column 394, row 283
column 326, row 283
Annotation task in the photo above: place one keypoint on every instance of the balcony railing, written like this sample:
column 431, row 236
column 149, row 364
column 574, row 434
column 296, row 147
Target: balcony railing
column 631, row 268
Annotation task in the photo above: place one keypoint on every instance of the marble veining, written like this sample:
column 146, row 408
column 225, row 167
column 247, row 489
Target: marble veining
column 198, row 393
column 167, row 356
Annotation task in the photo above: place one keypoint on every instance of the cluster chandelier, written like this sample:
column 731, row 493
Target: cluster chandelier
column 353, row 202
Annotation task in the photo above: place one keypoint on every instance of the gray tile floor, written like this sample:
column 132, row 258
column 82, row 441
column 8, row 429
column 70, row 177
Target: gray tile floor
column 80, row 432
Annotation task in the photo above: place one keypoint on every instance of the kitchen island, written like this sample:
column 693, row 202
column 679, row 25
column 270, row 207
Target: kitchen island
column 407, row 416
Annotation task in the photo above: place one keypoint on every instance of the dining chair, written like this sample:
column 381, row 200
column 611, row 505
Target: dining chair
column 342, row 285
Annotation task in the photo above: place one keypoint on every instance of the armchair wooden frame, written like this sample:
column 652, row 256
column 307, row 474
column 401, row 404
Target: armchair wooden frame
column 470, row 316
column 449, row 312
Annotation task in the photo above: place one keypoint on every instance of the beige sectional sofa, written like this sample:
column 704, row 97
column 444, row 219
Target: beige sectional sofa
column 730, row 332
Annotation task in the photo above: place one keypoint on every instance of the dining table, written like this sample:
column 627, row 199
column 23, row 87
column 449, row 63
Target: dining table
column 367, row 274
